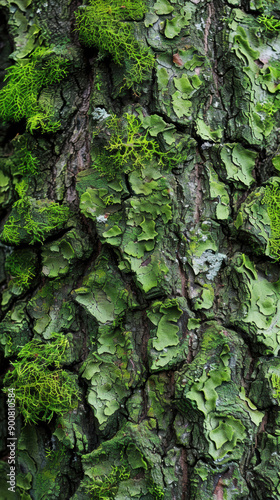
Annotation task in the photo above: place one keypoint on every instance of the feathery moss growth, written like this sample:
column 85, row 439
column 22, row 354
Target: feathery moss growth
column 106, row 487
column 270, row 23
column 21, row 265
column 129, row 148
column 275, row 381
column 26, row 161
column 156, row 491
column 33, row 223
column 19, row 98
column 41, row 388
column 272, row 200
column 101, row 24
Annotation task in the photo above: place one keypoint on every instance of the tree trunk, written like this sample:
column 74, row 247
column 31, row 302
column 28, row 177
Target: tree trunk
column 140, row 225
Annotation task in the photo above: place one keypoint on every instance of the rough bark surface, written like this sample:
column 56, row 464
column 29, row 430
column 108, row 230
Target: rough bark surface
column 163, row 277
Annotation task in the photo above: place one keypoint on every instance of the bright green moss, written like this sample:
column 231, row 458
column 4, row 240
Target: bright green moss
column 106, row 487
column 156, row 491
column 101, row 24
column 269, row 23
column 33, row 223
column 26, row 161
column 275, row 381
column 41, row 388
column 22, row 267
column 10, row 232
column 127, row 148
column 272, row 200
column 19, row 98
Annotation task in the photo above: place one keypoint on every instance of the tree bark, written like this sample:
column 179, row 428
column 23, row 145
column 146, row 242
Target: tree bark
column 164, row 279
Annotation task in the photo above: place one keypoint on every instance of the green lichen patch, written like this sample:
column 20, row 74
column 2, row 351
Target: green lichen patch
column 136, row 226
column 103, row 292
column 15, row 329
column 21, row 266
column 5, row 187
column 271, row 200
column 70, row 433
column 47, row 462
column 265, row 388
column 219, row 193
column 209, row 387
column 266, row 473
column 239, row 164
column 182, row 79
column 253, row 223
column 230, row 482
column 112, row 371
column 62, row 255
column 127, row 149
column 134, row 448
column 167, row 345
column 202, row 253
column 257, row 312
column 52, row 308
column 159, row 397
column 255, row 99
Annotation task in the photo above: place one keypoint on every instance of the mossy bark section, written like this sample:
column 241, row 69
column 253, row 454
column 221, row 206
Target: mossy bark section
column 163, row 279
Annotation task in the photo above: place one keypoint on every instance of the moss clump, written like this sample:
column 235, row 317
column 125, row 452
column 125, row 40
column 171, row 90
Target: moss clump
column 106, row 487
column 26, row 161
column 275, row 381
column 19, row 98
column 272, row 200
column 21, row 265
column 156, row 491
column 102, row 25
column 270, row 23
column 41, row 388
column 33, row 223
column 127, row 149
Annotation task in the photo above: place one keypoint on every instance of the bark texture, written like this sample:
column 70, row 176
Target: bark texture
column 163, row 276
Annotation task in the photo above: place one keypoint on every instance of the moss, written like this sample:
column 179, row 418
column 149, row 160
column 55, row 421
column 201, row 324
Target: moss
column 156, row 491
column 21, row 265
column 26, row 160
column 130, row 148
column 106, row 487
column 40, row 387
column 127, row 148
column 275, row 381
column 270, row 23
column 19, row 98
column 101, row 24
column 32, row 220
column 272, row 200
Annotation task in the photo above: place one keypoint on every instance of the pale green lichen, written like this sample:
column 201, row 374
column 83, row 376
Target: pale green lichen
column 258, row 309
column 206, row 388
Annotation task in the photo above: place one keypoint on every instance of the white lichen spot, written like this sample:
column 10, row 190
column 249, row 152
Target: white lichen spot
column 99, row 114
column 208, row 262
column 101, row 218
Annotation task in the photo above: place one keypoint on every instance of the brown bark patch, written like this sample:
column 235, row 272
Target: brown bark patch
column 184, row 467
